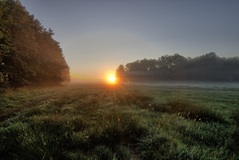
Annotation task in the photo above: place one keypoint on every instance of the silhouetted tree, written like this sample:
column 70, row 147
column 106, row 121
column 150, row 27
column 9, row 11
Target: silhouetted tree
column 208, row 67
column 28, row 53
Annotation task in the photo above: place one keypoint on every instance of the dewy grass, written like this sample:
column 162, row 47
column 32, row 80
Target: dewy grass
column 133, row 122
column 156, row 147
column 191, row 111
column 112, row 131
column 235, row 116
column 234, row 145
column 132, row 98
column 10, row 140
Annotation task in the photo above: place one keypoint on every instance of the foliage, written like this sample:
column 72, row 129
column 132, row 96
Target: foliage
column 208, row 67
column 28, row 53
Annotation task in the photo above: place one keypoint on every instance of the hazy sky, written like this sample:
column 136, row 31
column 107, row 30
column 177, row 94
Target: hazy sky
column 98, row 35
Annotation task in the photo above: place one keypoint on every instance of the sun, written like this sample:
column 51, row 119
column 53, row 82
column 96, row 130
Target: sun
column 111, row 78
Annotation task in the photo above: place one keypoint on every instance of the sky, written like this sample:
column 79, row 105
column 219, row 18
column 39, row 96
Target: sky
column 96, row 36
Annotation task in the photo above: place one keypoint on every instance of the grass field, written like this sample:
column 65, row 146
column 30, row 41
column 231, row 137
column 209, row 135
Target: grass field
column 96, row 121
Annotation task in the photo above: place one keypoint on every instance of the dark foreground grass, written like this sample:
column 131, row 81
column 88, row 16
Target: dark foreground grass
column 119, row 122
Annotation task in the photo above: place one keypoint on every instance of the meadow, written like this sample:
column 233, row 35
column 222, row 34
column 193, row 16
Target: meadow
column 120, row 122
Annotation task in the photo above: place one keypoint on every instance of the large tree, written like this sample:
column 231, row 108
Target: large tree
column 28, row 53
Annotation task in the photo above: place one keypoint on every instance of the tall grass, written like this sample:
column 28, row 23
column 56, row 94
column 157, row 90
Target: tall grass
column 233, row 145
column 192, row 111
column 96, row 122
column 187, row 110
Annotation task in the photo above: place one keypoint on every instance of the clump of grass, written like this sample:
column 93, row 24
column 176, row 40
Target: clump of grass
column 209, row 134
column 68, row 110
column 77, row 155
column 157, row 107
column 233, row 146
column 185, row 109
column 123, row 153
column 54, row 131
column 5, row 101
column 87, row 105
column 32, row 111
column 156, row 146
column 131, row 127
column 200, row 153
column 77, row 124
column 10, row 140
column 7, row 91
column 113, row 130
column 103, row 153
column 138, row 99
column 193, row 133
column 192, row 111
column 49, row 107
column 235, row 116
column 89, row 101
column 47, row 137
column 112, row 134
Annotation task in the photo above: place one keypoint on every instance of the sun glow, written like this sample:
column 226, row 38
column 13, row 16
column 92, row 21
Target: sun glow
column 111, row 78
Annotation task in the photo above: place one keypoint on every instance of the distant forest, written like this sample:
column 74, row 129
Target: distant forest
column 208, row 67
column 29, row 56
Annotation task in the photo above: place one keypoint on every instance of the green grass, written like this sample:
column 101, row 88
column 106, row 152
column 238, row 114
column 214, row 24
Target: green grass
column 120, row 122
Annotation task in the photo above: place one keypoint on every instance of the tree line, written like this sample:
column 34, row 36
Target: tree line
column 28, row 53
column 208, row 67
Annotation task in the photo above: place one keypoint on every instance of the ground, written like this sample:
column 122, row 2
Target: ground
column 98, row 121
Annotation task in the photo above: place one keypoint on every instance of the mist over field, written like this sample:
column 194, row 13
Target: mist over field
column 187, row 84
column 109, row 84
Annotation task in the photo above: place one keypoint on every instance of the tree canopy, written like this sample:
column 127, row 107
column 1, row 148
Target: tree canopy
column 208, row 67
column 28, row 53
